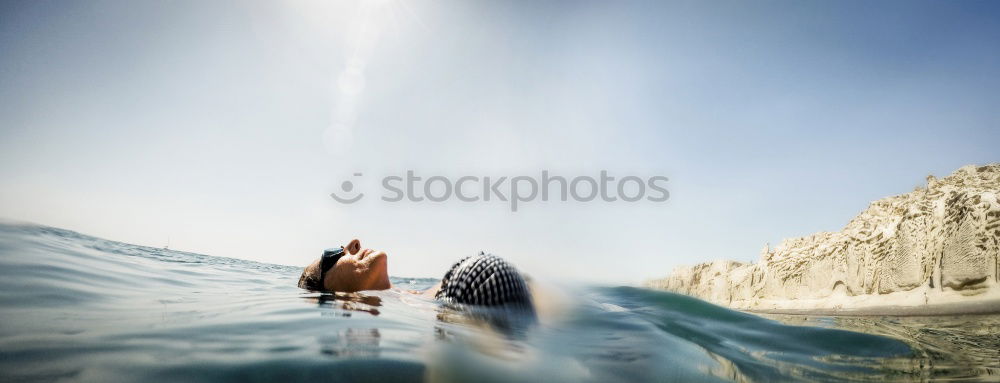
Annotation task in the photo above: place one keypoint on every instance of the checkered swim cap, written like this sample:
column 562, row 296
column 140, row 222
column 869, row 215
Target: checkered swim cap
column 484, row 279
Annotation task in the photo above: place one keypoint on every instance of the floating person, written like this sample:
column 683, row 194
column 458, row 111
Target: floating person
column 482, row 280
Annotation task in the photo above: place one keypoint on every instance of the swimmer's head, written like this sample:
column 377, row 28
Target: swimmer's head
column 356, row 269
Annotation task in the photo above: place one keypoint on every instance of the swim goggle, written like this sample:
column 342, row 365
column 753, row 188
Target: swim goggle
column 330, row 258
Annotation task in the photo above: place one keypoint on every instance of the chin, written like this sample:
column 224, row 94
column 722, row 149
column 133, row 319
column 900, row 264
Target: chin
column 380, row 268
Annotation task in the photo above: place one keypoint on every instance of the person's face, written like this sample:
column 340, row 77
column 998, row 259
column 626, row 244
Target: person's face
column 359, row 269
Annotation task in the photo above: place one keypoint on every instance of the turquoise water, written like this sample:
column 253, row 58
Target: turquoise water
column 79, row 308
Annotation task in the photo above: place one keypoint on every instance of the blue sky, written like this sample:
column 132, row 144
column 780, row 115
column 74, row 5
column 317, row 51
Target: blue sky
column 218, row 124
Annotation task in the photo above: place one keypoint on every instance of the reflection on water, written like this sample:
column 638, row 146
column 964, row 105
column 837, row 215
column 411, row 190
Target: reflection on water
column 944, row 347
column 351, row 343
column 79, row 308
column 346, row 302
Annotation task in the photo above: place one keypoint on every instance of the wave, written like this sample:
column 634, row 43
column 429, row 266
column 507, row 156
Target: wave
column 81, row 308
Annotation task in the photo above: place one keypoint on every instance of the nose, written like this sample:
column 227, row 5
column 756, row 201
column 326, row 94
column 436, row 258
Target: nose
column 377, row 255
column 368, row 253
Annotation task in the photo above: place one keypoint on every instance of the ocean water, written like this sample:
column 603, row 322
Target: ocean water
column 79, row 308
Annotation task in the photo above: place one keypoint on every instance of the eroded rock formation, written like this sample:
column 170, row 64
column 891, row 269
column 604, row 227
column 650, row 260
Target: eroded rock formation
column 937, row 244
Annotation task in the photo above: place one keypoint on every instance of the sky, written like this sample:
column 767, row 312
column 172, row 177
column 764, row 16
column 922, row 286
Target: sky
column 222, row 127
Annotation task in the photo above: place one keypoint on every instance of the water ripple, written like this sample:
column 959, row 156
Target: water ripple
column 80, row 308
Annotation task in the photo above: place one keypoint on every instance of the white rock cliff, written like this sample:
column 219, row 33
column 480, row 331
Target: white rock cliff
column 938, row 246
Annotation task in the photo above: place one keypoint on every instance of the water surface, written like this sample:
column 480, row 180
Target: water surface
column 79, row 308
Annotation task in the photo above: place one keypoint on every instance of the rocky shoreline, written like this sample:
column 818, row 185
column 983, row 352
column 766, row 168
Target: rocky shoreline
column 935, row 250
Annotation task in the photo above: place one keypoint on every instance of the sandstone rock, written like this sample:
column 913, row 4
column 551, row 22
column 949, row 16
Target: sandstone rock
column 938, row 244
